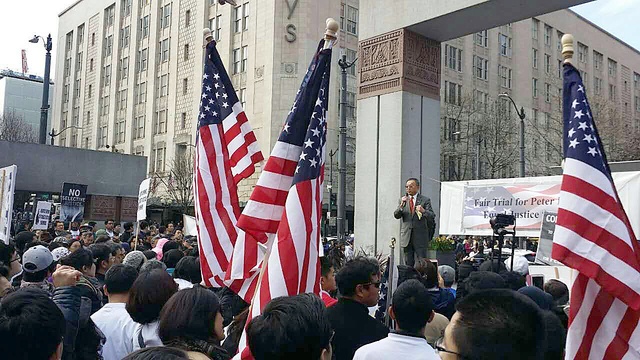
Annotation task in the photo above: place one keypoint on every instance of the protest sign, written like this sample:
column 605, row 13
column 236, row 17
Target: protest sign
column 143, row 195
column 543, row 254
column 72, row 201
column 42, row 216
column 7, row 188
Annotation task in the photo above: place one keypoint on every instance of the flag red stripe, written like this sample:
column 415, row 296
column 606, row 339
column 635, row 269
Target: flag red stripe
column 304, row 192
column 265, row 289
column 281, row 166
column 597, row 235
column 256, row 158
column 620, row 343
column 287, row 252
column 257, row 223
column 594, row 271
column 578, row 291
column 598, row 311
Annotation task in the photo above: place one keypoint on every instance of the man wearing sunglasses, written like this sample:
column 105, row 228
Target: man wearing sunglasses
column 411, row 310
column 359, row 287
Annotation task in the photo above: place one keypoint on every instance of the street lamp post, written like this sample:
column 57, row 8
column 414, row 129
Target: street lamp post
column 330, row 188
column 53, row 133
column 521, row 115
column 44, row 110
column 342, row 154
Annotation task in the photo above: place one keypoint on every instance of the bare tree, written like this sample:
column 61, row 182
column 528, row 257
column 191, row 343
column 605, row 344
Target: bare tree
column 178, row 182
column 13, row 127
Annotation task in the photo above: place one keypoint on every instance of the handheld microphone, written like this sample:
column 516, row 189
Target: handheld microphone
column 406, row 195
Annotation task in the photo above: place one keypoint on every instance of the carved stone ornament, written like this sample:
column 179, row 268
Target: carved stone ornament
column 259, row 72
column 399, row 60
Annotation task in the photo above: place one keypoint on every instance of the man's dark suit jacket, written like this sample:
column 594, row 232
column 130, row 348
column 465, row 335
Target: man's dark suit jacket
column 353, row 328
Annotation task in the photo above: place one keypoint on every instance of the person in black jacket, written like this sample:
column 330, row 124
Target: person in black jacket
column 359, row 286
column 83, row 261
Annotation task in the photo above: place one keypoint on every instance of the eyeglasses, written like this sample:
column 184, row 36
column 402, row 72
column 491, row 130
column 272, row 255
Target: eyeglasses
column 439, row 348
column 376, row 284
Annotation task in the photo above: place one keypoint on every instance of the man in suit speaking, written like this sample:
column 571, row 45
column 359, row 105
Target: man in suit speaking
column 418, row 222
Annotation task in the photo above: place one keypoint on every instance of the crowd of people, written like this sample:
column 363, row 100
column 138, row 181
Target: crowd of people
column 86, row 293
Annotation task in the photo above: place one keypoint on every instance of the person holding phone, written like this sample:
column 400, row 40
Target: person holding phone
column 418, row 222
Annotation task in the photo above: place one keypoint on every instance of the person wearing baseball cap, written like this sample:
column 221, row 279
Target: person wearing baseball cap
column 37, row 266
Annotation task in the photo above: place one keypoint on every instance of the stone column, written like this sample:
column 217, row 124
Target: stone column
column 398, row 132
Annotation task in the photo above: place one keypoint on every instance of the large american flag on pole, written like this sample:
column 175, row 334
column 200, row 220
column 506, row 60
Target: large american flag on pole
column 226, row 152
column 594, row 237
column 292, row 265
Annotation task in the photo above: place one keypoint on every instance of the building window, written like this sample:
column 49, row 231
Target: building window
column 452, row 129
column 120, row 129
column 74, row 140
column 140, row 93
column 91, row 65
column 559, row 68
column 350, row 15
column 124, row 68
column 237, row 19
column 505, row 45
column 612, row 92
column 139, row 151
column 69, row 41
column 126, row 7
column 452, row 93
column 481, row 38
column 480, row 67
column 89, row 91
column 583, row 50
column 534, row 58
column 535, row 25
column 636, row 81
column 142, row 58
column 613, row 67
column 107, row 75
column 236, row 60
column 102, row 136
column 183, row 120
column 109, row 15
column 534, row 85
column 245, row 56
column 215, row 25
column 80, row 34
column 164, row 85
column 187, row 18
column 547, row 35
column 123, row 99
column 108, row 45
column 165, row 21
column 547, row 92
column 79, row 62
column 67, row 67
column 637, row 101
column 87, row 118
column 65, row 93
column 185, row 86
column 186, row 51
column 245, row 16
column 584, row 77
column 138, row 128
column 480, row 100
column 597, row 85
column 453, row 57
column 161, row 122
column 144, row 26
column 76, row 89
column 164, row 50
column 547, row 63
column 158, row 156
column 125, row 35
column 105, row 106
column 505, row 76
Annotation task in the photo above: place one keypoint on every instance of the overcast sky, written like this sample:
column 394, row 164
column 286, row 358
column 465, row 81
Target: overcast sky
column 21, row 19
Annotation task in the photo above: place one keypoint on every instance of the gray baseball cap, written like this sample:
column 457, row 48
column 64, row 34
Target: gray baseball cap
column 36, row 259
column 448, row 274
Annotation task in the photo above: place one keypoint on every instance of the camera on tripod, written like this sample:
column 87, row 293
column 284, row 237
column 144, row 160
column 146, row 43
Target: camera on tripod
column 500, row 222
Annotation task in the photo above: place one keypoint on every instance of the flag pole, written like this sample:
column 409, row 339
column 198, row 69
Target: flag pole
column 135, row 244
column 567, row 48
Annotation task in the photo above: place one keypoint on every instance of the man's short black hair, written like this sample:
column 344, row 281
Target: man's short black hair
column 100, row 252
column 157, row 353
column 28, row 316
column 412, row 306
column 150, row 291
column 414, row 179
column 119, row 278
column 92, row 223
column 150, row 254
column 290, row 327
column 115, row 247
column 22, row 238
column 189, row 315
column 171, row 257
column 109, row 220
column 188, row 268
column 558, row 290
column 355, row 272
column 514, row 280
column 55, row 224
column 78, row 259
column 499, row 321
column 170, row 245
column 325, row 265
column 162, row 229
column 143, row 225
column 556, row 336
column 483, row 280
column 428, row 271
column 128, row 226
column 102, row 239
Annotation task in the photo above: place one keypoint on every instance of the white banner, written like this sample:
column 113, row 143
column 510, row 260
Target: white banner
column 7, row 188
column 42, row 216
column 189, row 227
column 143, row 195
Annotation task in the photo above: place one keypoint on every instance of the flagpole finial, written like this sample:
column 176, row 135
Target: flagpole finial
column 330, row 35
column 567, row 47
column 208, row 35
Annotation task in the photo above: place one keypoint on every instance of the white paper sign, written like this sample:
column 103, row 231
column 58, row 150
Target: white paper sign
column 189, row 228
column 143, row 195
column 43, row 215
column 7, row 188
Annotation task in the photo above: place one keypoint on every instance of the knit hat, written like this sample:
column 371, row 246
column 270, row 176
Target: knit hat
column 36, row 259
column 135, row 259
column 101, row 232
column 59, row 253
column 520, row 265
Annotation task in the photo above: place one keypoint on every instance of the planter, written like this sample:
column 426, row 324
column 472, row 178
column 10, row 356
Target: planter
column 445, row 258
column 432, row 254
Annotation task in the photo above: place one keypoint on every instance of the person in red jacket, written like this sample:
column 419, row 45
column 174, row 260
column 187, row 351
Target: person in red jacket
column 327, row 281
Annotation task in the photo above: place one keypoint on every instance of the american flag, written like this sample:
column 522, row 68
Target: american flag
column 297, row 162
column 484, row 202
column 593, row 236
column 226, row 152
